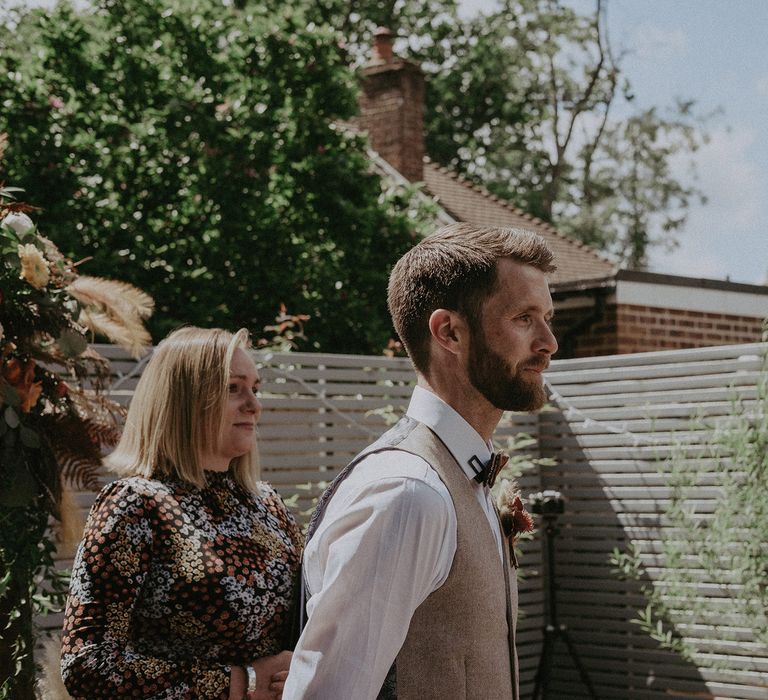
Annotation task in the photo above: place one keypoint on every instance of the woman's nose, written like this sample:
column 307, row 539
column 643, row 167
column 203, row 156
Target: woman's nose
column 252, row 403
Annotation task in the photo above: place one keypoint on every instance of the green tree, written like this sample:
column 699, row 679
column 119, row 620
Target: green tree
column 530, row 100
column 194, row 147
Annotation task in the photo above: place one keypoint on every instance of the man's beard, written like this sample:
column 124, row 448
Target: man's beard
column 506, row 388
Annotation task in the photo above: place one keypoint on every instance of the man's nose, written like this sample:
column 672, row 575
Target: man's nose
column 546, row 343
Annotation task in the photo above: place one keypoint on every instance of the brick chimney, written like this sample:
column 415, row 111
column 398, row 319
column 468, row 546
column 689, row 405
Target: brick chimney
column 392, row 108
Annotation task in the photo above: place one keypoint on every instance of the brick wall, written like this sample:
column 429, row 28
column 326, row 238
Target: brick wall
column 644, row 328
column 392, row 112
column 599, row 337
column 631, row 328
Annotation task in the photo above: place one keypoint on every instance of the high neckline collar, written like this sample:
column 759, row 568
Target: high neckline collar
column 462, row 440
column 216, row 476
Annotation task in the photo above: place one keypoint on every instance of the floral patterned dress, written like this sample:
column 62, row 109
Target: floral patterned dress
column 172, row 584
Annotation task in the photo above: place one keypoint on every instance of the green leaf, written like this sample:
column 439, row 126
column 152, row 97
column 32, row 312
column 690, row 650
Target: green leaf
column 11, row 417
column 29, row 438
column 22, row 492
column 8, row 438
column 9, row 394
column 71, row 343
column 30, row 236
column 4, row 582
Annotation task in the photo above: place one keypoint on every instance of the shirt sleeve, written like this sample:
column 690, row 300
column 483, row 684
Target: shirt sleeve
column 385, row 547
column 111, row 565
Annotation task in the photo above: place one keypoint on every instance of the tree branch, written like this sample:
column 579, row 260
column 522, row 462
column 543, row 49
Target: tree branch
column 581, row 106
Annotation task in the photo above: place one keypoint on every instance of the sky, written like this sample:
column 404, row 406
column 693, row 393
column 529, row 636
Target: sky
column 716, row 53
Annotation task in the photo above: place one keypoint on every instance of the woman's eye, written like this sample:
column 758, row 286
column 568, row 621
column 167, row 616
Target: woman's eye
column 233, row 388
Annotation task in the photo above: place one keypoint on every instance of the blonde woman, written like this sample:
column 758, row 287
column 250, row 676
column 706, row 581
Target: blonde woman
column 183, row 585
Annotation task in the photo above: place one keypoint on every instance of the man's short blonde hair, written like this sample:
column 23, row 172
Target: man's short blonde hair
column 177, row 410
column 454, row 269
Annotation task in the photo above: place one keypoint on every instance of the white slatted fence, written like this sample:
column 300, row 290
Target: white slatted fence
column 612, row 422
column 618, row 419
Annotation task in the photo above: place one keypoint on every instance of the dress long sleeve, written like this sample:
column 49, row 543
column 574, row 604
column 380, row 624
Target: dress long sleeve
column 173, row 584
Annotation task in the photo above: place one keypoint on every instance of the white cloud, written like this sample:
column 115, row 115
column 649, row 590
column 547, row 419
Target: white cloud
column 682, row 262
column 734, row 182
column 728, row 236
column 657, row 43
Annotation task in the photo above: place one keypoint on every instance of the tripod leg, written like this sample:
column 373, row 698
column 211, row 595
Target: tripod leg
column 579, row 666
column 541, row 681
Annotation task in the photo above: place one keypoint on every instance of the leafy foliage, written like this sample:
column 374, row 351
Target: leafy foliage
column 194, row 148
column 726, row 550
column 25, row 563
column 530, row 101
column 53, row 423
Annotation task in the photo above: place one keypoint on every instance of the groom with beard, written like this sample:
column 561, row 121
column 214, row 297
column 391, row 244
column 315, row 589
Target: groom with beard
column 410, row 591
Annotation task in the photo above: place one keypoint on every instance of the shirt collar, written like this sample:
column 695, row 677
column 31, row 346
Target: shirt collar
column 461, row 439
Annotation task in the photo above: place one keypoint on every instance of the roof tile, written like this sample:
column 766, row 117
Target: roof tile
column 465, row 201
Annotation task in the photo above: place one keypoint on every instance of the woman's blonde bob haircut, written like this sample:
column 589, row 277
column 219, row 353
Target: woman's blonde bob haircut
column 177, row 411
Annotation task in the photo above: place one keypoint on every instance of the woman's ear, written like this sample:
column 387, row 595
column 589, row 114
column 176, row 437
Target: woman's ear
column 449, row 330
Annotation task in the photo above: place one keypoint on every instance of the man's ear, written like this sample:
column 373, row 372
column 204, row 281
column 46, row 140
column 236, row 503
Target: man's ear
column 448, row 329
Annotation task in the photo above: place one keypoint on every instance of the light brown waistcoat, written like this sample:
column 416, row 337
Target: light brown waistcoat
column 461, row 642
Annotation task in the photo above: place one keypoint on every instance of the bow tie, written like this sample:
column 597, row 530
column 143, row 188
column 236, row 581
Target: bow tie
column 491, row 470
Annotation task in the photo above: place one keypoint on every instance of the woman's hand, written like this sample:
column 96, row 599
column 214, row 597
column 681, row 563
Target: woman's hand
column 271, row 672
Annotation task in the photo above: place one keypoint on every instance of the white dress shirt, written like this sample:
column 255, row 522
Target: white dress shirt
column 386, row 541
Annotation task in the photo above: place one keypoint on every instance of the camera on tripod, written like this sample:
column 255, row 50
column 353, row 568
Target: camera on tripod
column 547, row 502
